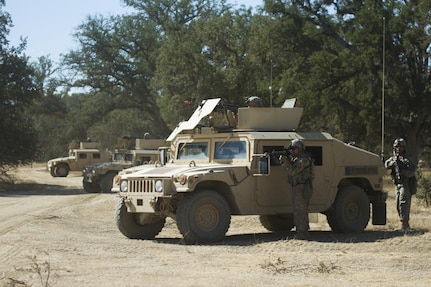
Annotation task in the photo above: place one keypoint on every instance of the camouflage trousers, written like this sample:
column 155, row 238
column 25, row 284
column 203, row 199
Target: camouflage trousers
column 300, row 209
column 403, row 200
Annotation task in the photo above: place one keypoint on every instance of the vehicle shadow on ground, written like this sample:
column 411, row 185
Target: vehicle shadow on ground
column 315, row 236
column 27, row 189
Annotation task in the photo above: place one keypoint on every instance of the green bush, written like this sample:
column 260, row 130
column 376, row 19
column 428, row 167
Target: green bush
column 424, row 188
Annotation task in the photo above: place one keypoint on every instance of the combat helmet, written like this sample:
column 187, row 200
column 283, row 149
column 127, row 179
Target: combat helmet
column 297, row 143
column 254, row 101
column 399, row 142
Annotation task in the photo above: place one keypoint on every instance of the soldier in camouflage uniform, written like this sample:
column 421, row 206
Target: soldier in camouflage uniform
column 402, row 169
column 299, row 170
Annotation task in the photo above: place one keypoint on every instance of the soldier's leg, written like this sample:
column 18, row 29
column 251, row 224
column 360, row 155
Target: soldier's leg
column 404, row 205
column 397, row 200
column 300, row 210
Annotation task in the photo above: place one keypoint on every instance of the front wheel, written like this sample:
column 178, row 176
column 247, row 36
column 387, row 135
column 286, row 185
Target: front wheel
column 61, row 170
column 137, row 225
column 203, row 217
column 106, row 182
column 90, row 187
column 52, row 171
column 350, row 212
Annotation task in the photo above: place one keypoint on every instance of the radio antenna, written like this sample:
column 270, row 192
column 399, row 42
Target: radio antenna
column 383, row 88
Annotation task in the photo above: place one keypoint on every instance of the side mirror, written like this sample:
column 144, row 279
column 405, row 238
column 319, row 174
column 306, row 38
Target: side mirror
column 263, row 164
column 163, row 155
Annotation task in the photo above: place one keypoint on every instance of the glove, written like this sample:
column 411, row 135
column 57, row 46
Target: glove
column 390, row 163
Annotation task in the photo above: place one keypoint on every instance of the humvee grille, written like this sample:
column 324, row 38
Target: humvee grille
column 141, row 185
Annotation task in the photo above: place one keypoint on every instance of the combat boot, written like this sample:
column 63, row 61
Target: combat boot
column 405, row 226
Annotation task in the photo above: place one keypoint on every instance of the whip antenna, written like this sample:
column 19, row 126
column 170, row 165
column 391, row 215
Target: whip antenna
column 383, row 89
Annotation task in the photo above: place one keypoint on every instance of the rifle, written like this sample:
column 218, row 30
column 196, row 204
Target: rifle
column 396, row 168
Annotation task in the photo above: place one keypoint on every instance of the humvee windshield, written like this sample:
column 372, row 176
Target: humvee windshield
column 118, row 156
column 195, row 150
column 128, row 157
column 230, row 150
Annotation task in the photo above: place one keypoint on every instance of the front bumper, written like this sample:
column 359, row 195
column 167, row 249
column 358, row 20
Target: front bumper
column 91, row 178
column 148, row 203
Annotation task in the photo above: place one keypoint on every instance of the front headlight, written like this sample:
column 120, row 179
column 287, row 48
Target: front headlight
column 123, row 186
column 158, row 186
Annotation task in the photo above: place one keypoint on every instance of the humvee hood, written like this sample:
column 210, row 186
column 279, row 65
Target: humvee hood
column 105, row 165
column 169, row 171
column 61, row 159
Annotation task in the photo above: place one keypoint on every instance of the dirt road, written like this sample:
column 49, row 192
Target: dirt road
column 54, row 234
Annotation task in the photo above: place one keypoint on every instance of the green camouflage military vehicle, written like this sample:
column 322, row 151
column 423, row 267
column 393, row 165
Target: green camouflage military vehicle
column 87, row 153
column 98, row 177
column 216, row 173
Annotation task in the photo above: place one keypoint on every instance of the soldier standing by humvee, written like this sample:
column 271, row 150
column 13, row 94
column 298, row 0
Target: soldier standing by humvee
column 300, row 174
column 402, row 172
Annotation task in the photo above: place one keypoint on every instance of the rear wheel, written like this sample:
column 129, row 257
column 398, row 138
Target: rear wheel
column 137, row 225
column 203, row 217
column 106, row 182
column 350, row 212
column 277, row 222
column 61, row 170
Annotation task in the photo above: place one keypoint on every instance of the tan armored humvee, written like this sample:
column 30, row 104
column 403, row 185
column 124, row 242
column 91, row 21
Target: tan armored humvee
column 87, row 153
column 213, row 175
column 98, row 177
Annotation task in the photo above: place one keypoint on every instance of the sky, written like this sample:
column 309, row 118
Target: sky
column 49, row 25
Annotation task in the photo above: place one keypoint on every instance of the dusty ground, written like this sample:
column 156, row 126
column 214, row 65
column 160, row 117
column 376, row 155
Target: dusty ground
column 54, row 234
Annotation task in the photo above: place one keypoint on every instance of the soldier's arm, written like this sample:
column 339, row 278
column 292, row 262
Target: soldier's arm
column 389, row 163
column 298, row 166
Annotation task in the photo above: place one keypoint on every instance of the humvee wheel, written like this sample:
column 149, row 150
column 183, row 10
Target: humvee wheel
column 52, row 172
column 277, row 222
column 330, row 218
column 203, row 217
column 90, row 187
column 106, row 182
column 61, row 170
column 130, row 224
column 351, row 210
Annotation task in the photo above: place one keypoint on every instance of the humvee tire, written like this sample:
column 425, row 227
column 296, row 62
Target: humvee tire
column 350, row 212
column 129, row 226
column 91, row 187
column 203, row 217
column 52, row 172
column 106, row 182
column 277, row 222
column 61, row 170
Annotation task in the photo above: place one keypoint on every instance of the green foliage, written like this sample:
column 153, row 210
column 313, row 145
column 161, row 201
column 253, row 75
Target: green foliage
column 207, row 58
column 423, row 193
column 125, row 122
column 18, row 140
column 117, row 60
column 336, row 73
column 147, row 71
